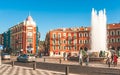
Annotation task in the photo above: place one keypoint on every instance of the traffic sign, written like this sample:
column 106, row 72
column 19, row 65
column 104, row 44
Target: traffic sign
column 1, row 47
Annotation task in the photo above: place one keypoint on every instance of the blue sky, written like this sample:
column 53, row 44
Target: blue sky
column 52, row 14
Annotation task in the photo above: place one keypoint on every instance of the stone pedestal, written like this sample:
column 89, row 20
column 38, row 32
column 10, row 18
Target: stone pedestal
column 94, row 54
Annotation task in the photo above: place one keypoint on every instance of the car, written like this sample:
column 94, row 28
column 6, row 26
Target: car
column 26, row 58
column 5, row 56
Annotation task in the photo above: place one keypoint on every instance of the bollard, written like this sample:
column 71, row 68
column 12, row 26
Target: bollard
column 34, row 65
column 12, row 63
column 44, row 59
column 60, row 61
column 67, row 70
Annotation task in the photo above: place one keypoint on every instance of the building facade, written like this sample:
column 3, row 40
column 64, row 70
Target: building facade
column 71, row 40
column 1, row 39
column 22, row 37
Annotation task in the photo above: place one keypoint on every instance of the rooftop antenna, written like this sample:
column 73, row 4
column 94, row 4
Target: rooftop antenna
column 29, row 13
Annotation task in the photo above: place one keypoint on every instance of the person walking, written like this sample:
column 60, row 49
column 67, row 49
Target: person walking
column 112, row 58
column 115, row 59
column 64, row 56
column 87, row 58
column 80, row 57
column 108, row 58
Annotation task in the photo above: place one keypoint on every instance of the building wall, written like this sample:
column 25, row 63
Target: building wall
column 71, row 40
column 6, row 39
column 17, row 37
column 22, row 37
column 1, row 39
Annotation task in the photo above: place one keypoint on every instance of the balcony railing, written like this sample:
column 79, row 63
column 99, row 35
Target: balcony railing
column 55, row 38
column 69, row 38
column 75, row 37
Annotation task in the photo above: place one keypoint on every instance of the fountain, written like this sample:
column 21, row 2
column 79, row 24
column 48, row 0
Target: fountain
column 98, row 36
column 98, row 33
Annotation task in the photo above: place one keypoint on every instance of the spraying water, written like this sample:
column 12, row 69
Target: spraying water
column 99, row 31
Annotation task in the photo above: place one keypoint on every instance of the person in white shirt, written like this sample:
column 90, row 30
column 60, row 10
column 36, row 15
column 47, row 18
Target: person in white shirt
column 108, row 58
column 80, row 57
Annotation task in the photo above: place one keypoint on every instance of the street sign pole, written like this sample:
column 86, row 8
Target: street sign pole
column 0, row 57
column 1, row 48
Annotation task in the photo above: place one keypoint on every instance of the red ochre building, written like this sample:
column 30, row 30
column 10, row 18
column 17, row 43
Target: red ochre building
column 22, row 37
column 71, row 40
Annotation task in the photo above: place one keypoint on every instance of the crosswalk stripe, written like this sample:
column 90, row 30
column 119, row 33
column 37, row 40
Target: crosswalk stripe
column 14, row 69
column 38, row 72
column 34, row 72
column 20, row 71
column 3, row 69
column 49, row 73
column 8, row 70
column 27, row 72
column 17, row 70
column 24, row 73
column 44, row 73
column 1, row 66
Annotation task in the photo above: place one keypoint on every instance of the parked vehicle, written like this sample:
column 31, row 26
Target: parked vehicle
column 5, row 56
column 26, row 58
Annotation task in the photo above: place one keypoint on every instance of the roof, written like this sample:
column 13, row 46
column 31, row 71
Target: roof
column 109, row 26
column 29, row 18
column 114, row 26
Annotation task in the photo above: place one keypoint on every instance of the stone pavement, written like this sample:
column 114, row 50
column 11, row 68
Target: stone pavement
column 91, row 64
column 98, row 66
column 6, row 69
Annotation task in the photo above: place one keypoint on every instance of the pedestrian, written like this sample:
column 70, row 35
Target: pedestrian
column 103, row 54
column 87, row 59
column 80, row 57
column 68, row 56
column 115, row 57
column 108, row 58
column 64, row 55
column 112, row 58
column 100, row 54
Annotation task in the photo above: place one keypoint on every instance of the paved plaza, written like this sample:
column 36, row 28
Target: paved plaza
column 6, row 69
column 53, row 67
column 91, row 64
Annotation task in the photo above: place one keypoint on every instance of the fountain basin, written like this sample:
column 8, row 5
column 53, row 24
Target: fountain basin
column 97, row 59
column 96, row 56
